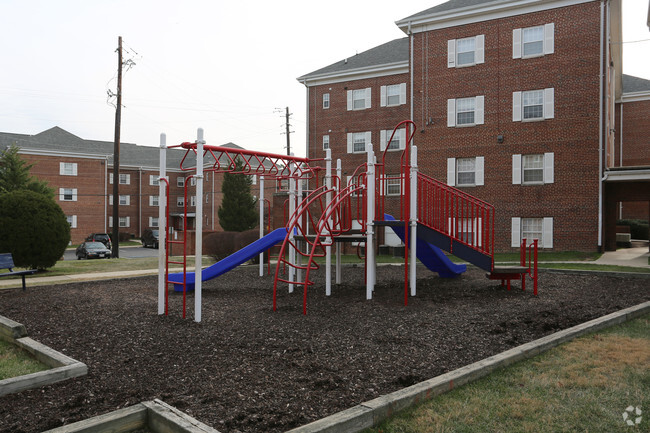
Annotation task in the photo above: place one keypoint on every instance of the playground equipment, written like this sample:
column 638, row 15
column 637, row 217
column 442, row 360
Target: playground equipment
column 322, row 217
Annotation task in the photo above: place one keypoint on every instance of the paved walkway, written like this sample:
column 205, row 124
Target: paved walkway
column 636, row 257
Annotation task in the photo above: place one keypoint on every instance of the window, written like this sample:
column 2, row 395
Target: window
column 465, row 111
column 533, row 169
column 530, row 229
column 283, row 185
column 154, row 200
column 533, row 41
column 123, row 221
column 466, row 52
column 393, row 185
column 193, row 200
column 153, row 180
column 357, row 141
column 153, row 221
column 253, row 178
column 397, row 143
column 180, row 182
column 125, row 200
column 67, row 194
column 393, row 95
column 359, row 99
column 326, row 142
column 465, row 171
column 326, row 100
column 125, row 179
column 180, row 201
column 533, row 105
column 68, row 168
column 72, row 220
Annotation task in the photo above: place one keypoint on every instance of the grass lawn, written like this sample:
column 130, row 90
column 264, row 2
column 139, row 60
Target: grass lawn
column 585, row 385
column 16, row 362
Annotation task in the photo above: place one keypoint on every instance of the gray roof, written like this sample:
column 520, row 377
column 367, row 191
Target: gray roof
column 635, row 84
column 448, row 6
column 391, row 52
column 59, row 140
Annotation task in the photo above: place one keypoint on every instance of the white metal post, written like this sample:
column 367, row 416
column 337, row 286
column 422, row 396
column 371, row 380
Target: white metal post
column 292, row 209
column 328, row 201
column 339, row 172
column 370, row 213
column 261, row 200
column 162, row 225
column 414, row 217
column 198, row 253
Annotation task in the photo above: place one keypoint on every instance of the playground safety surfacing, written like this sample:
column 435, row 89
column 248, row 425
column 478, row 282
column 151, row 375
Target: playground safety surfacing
column 247, row 368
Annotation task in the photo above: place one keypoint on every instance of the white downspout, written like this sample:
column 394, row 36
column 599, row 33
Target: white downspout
column 411, row 67
column 600, row 127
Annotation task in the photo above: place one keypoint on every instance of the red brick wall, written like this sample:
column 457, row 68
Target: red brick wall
column 89, row 182
column 572, row 70
column 636, row 133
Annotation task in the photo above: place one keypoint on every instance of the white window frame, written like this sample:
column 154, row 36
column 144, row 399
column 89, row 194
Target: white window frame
column 479, row 172
column 400, row 136
column 124, row 221
column 517, row 169
column 399, row 90
column 453, row 52
column 180, row 182
column 154, row 200
column 548, row 42
column 153, row 221
column 517, row 232
column 180, row 201
column 548, row 105
column 64, row 192
column 72, row 220
column 459, row 226
column 68, row 168
column 154, row 180
column 326, row 101
column 479, row 112
column 352, row 136
column 326, row 142
column 125, row 200
column 125, row 179
column 193, row 201
column 393, row 181
column 359, row 95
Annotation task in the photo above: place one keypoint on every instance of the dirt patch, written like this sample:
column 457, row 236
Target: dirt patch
column 245, row 368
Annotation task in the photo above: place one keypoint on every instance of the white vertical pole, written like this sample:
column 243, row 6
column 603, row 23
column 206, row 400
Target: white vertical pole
column 339, row 173
column 301, row 231
column 162, row 225
column 292, row 209
column 370, row 215
column 328, row 200
column 261, row 200
column 198, row 254
column 414, row 217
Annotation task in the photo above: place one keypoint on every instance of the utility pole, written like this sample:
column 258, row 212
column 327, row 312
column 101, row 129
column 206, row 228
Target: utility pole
column 288, row 133
column 116, row 156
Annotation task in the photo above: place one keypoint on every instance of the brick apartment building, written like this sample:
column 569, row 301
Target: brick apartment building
column 520, row 103
column 81, row 173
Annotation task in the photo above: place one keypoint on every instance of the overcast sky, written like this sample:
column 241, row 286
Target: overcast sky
column 222, row 66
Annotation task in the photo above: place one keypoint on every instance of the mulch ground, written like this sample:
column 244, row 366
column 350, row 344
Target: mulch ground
column 246, row 368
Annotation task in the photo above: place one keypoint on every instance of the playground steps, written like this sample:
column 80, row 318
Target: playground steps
column 446, row 243
column 508, row 273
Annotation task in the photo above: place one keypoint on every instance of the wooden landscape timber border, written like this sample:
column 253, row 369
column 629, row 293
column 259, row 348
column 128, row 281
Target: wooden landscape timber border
column 156, row 416
column 62, row 367
column 373, row 412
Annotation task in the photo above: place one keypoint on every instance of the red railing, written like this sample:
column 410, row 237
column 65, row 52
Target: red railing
column 456, row 214
column 532, row 263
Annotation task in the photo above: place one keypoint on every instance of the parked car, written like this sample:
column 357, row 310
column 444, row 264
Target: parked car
column 150, row 238
column 104, row 238
column 92, row 250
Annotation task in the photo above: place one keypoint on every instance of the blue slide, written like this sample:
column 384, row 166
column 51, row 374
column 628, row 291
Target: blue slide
column 232, row 261
column 431, row 256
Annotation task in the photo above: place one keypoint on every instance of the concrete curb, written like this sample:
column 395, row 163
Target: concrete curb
column 372, row 412
column 154, row 416
column 62, row 367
